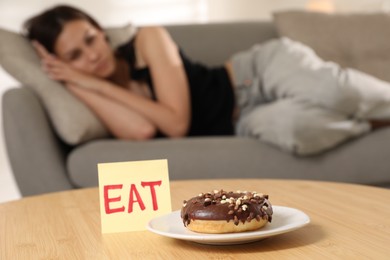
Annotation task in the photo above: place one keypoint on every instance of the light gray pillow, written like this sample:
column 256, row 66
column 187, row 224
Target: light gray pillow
column 359, row 41
column 73, row 121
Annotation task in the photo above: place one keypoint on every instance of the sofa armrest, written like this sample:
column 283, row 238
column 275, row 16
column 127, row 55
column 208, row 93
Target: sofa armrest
column 36, row 155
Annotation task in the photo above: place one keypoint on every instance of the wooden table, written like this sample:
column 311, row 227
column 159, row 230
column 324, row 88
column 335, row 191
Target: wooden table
column 347, row 222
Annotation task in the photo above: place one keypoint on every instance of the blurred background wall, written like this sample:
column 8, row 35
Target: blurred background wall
column 114, row 12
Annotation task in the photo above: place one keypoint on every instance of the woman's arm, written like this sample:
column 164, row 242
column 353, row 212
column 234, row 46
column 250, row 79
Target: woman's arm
column 162, row 56
column 121, row 121
column 171, row 113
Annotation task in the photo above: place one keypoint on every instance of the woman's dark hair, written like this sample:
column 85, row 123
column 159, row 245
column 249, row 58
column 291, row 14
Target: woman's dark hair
column 47, row 26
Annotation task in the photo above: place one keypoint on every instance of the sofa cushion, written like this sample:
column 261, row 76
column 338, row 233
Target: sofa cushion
column 238, row 157
column 358, row 41
column 72, row 120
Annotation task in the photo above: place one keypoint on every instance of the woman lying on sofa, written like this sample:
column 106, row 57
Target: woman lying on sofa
column 148, row 87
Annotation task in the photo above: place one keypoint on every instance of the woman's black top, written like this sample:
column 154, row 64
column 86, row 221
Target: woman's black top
column 212, row 97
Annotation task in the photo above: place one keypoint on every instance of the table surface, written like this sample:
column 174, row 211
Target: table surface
column 347, row 222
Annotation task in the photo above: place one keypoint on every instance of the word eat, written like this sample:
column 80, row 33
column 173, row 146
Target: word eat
column 133, row 197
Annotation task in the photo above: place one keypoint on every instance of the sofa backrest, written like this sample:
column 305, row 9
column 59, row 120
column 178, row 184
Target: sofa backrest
column 214, row 43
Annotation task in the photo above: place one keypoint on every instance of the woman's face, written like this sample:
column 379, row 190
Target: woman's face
column 85, row 48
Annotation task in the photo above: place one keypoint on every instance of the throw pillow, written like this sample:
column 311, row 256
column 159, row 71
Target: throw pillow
column 73, row 121
column 359, row 41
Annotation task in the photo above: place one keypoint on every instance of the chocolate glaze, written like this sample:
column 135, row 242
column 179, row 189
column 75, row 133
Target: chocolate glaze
column 230, row 206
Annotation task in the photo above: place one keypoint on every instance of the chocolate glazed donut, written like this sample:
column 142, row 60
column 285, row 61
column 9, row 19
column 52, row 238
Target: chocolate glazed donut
column 226, row 212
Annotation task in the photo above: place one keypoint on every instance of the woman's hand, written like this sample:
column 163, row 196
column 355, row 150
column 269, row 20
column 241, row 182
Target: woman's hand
column 58, row 70
column 53, row 67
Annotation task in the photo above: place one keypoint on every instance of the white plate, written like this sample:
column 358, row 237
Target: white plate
column 284, row 220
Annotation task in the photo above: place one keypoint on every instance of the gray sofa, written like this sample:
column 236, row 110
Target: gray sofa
column 42, row 163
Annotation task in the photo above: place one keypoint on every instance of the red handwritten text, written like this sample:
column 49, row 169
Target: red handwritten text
column 134, row 197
